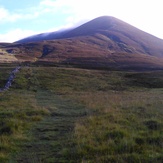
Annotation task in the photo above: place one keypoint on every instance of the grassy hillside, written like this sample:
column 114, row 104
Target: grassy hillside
column 54, row 114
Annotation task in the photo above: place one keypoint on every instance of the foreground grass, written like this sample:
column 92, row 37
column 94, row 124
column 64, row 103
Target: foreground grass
column 18, row 111
column 127, row 127
column 84, row 116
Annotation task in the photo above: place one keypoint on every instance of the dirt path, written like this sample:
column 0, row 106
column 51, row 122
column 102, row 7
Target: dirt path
column 53, row 137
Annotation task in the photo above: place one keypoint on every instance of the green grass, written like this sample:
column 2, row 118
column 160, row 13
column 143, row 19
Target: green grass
column 128, row 127
column 53, row 114
column 18, row 111
column 52, row 134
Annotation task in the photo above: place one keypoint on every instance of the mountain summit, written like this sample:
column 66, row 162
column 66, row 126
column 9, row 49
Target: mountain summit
column 125, row 37
column 101, row 23
column 102, row 42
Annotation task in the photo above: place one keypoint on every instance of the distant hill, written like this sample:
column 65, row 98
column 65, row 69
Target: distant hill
column 103, row 42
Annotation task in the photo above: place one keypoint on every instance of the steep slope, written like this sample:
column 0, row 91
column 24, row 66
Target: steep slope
column 105, row 42
column 120, row 35
column 127, row 37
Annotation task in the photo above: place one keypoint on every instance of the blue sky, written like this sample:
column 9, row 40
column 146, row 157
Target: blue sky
column 22, row 18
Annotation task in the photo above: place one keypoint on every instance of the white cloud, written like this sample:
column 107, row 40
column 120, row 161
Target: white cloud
column 57, row 3
column 16, row 34
column 6, row 16
column 29, row 13
column 3, row 13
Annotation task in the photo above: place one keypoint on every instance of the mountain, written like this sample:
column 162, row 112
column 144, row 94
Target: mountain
column 104, row 42
column 127, row 37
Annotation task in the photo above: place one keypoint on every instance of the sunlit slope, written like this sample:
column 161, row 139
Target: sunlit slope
column 6, row 57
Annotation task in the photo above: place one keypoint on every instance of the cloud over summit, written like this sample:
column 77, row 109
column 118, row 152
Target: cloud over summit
column 46, row 15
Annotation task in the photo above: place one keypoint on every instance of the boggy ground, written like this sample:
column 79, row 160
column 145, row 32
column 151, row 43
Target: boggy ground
column 53, row 114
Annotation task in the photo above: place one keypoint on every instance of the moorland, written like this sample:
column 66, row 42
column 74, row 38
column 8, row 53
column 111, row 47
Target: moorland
column 67, row 114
